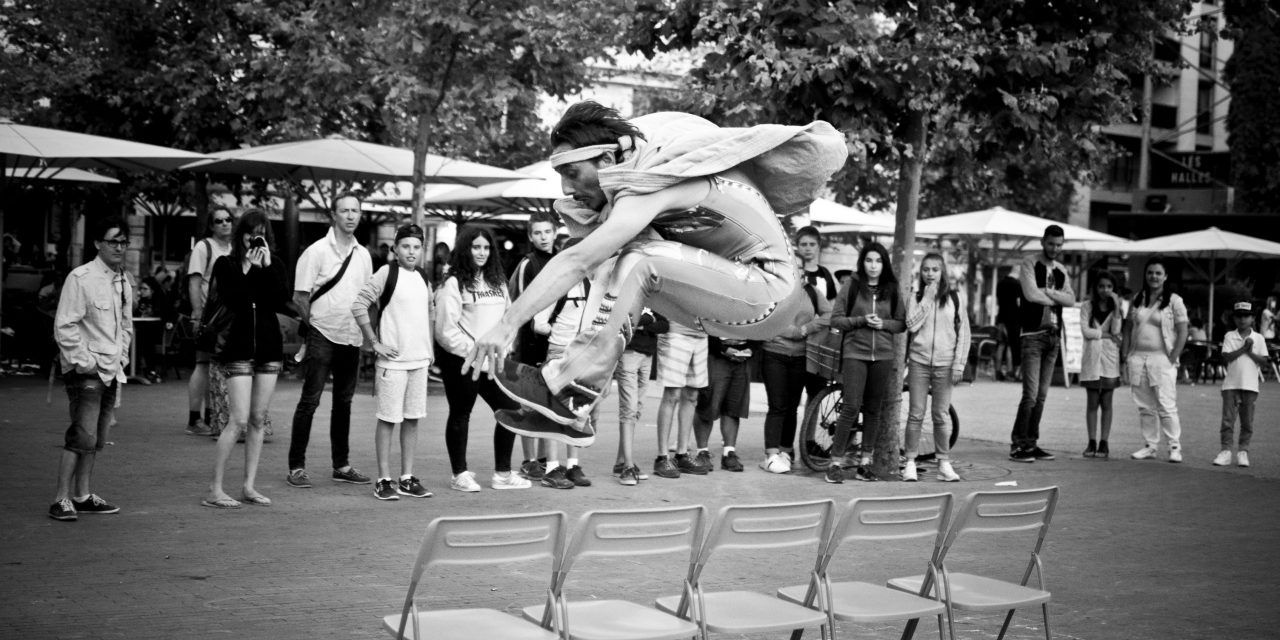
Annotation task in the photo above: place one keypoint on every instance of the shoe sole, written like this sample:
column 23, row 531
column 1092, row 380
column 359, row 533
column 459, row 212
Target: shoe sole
column 413, row 495
column 628, row 484
column 353, row 481
column 504, row 487
column 70, row 518
column 1027, row 460
column 390, row 497
column 558, row 486
column 511, row 421
column 300, row 486
column 466, row 489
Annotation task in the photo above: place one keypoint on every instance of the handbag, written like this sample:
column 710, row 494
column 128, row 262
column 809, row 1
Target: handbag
column 215, row 324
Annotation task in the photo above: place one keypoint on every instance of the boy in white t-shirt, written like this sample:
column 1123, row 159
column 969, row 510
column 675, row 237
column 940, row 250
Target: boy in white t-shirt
column 400, row 292
column 1245, row 352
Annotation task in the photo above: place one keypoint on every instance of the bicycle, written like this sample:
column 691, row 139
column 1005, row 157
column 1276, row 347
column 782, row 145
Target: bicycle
column 819, row 428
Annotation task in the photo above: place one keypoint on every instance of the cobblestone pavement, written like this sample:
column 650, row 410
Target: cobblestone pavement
column 1137, row 549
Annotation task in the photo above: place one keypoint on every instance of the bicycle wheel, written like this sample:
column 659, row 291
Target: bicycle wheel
column 819, row 427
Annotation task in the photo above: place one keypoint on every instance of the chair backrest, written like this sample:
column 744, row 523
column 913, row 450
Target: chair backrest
column 894, row 518
column 1004, row 512
column 767, row 526
column 636, row 532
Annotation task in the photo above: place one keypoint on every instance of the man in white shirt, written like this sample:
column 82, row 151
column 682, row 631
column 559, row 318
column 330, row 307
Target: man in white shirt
column 329, row 276
column 199, row 269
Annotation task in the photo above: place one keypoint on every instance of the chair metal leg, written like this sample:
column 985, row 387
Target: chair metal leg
column 1005, row 627
column 910, row 629
column 1044, row 607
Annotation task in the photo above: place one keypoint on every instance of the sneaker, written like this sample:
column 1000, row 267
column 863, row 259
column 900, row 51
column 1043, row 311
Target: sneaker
column 909, row 472
column 299, row 478
column 384, row 490
column 816, row 451
column 792, row 463
column 663, row 468
column 412, row 487
column 1175, row 455
column 834, row 475
column 946, row 473
column 1091, row 450
column 1022, row 455
column 510, row 480
column 731, row 462
column 533, row 469
column 629, row 476
column 465, row 481
column 350, row 476
column 525, row 385
column 686, row 464
column 554, row 479
column 536, row 425
column 703, row 459
column 578, row 477
column 864, row 474
column 95, row 504
column 199, row 429
column 776, row 463
column 1223, row 459
column 1242, row 459
column 1041, row 454
column 1145, row 453
column 62, row 510
column 619, row 467
column 1103, row 450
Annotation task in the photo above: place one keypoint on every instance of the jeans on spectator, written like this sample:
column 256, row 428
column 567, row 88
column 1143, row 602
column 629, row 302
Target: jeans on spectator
column 865, row 384
column 93, row 405
column 1153, row 380
column 1039, row 354
column 461, row 392
column 325, row 357
column 924, row 382
column 1237, row 402
column 784, row 380
column 632, row 376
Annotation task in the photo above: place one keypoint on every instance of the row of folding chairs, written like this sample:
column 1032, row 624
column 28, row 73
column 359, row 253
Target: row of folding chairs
column 694, row 612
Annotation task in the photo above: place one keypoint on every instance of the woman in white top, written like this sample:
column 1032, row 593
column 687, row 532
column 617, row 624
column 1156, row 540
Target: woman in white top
column 470, row 301
column 1157, row 333
column 1102, row 324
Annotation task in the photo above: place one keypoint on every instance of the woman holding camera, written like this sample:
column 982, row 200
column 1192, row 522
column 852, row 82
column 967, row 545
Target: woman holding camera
column 242, row 332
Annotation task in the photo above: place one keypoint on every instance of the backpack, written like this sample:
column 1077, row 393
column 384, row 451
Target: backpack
column 182, row 302
column 393, row 276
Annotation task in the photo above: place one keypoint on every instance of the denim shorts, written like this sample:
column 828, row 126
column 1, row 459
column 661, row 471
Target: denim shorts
column 250, row 367
column 92, row 404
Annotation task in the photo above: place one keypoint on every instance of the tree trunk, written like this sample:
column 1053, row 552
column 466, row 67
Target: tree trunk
column 420, row 164
column 904, row 238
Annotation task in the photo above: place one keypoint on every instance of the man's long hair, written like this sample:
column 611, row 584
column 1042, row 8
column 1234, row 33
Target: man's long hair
column 587, row 123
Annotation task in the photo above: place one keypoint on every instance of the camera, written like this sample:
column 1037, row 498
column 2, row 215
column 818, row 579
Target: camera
column 257, row 242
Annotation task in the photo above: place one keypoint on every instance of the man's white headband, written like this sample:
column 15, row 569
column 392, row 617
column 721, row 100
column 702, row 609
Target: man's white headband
column 589, row 152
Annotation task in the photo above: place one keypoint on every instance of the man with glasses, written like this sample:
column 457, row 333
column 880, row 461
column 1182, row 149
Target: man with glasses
column 93, row 328
column 199, row 268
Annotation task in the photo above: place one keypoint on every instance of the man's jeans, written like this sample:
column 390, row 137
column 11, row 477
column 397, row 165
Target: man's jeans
column 1237, row 402
column 632, row 376
column 324, row 357
column 93, row 405
column 1039, row 354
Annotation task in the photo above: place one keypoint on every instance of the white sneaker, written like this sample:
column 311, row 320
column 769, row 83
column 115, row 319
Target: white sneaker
column 1175, row 455
column 786, row 459
column 509, row 480
column 465, row 481
column 1223, row 459
column 1242, row 459
column 776, row 463
column 909, row 471
column 946, row 473
column 1145, row 453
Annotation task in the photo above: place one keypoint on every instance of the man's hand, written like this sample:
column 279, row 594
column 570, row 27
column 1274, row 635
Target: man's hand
column 490, row 349
column 385, row 350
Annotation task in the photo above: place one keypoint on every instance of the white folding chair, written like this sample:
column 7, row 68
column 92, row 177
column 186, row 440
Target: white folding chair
column 487, row 541
column 759, row 528
column 994, row 513
column 869, row 520
column 639, row 533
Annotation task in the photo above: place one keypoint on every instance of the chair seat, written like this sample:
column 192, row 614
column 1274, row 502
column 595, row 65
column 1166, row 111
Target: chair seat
column 748, row 611
column 619, row 620
column 467, row 624
column 978, row 593
column 866, row 602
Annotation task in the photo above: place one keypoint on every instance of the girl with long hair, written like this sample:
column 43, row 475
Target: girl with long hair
column 937, row 352
column 1157, row 334
column 1102, row 324
column 469, row 303
column 250, row 284
column 869, row 312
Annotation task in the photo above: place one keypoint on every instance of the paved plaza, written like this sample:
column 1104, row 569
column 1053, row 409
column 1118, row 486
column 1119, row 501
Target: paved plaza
column 1137, row 549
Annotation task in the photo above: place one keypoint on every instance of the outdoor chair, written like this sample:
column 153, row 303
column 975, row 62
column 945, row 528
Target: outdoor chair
column 872, row 520
column 494, row 542
column 639, row 534
column 994, row 513
column 755, row 528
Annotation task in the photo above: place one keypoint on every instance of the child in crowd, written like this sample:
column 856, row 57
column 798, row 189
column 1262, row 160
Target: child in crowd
column 1245, row 353
column 1102, row 326
column 402, row 296
column 727, row 397
column 632, row 376
column 566, row 320
column 682, row 371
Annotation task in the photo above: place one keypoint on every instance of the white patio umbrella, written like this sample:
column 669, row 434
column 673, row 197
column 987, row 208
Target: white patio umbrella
column 1211, row 244
column 67, row 175
column 832, row 217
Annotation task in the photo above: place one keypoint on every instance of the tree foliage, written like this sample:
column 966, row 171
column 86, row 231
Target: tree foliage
column 1253, row 121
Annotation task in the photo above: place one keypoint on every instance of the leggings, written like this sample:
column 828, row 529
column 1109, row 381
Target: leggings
column 461, row 391
column 865, row 384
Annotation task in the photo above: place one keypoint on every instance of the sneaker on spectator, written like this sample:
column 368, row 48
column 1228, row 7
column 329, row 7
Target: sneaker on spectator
column 412, row 487
column 299, row 478
column 703, row 459
column 1175, row 455
column 663, row 468
column 350, row 476
column 384, row 490
column 554, row 479
column 509, row 480
column 1145, row 453
column 640, row 474
column 1022, row 455
column 629, row 476
column 864, row 474
column 533, row 469
column 795, row 465
column 909, row 472
column 199, row 429
column 94, row 504
column 1223, row 459
column 62, row 510
column 577, row 476
column 1242, row 459
column 465, row 481
column 834, row 474
column 731, row 462
column 1041, row 454
column 776, row 463
column 946, row 473
column 686, row 464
